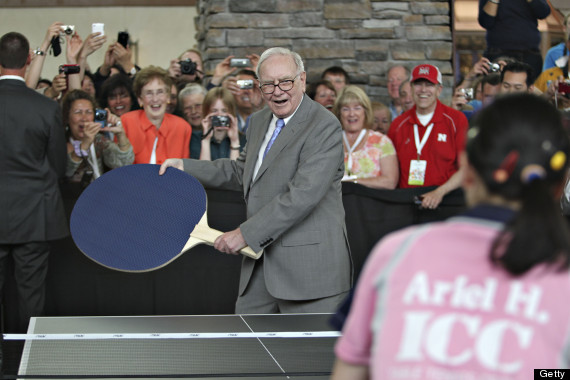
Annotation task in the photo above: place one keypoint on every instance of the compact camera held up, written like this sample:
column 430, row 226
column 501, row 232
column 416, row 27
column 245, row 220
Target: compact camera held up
column 245, row 84
column 55, row 41
column 68, row 29
column 101, row 117
column 240, row 62
column 468, row 93
column 494, row 67
column 219, row 121
column 67, row 69
column 565, row 88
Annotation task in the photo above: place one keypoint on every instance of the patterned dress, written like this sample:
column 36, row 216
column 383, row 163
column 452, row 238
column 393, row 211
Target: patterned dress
column 365, row 162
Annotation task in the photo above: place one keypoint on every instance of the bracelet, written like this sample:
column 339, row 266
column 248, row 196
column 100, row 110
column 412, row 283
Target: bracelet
column 235, row 147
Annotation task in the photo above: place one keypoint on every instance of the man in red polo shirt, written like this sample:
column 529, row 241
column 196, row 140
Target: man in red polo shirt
column 429, row 138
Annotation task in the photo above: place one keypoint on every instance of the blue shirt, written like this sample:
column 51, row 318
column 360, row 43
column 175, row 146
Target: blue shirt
column 553, row 54
column 476, row 104
column 394, row 111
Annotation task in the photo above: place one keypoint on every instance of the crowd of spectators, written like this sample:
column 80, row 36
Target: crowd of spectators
column 169, row 113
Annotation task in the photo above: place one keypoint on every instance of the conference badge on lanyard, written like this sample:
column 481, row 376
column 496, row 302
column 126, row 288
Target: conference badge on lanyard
column 418, row 167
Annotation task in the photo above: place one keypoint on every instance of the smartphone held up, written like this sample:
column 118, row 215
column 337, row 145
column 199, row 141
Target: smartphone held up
column 98, row 27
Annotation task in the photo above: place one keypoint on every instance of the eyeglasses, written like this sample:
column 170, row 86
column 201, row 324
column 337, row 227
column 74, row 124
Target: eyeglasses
column 193, row 108
column 347, row 109
column 284, row 85
column 150, row 94
column 88, row 112
column 326, row 94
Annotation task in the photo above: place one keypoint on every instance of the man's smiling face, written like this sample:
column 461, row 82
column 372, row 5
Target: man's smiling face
column 425, row 94
column 276, row 69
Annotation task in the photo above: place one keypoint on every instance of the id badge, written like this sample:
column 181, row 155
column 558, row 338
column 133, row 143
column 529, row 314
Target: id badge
column 417, row 172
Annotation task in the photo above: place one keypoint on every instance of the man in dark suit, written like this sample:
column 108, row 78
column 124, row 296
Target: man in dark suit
column 32, row 158
column 290, row 173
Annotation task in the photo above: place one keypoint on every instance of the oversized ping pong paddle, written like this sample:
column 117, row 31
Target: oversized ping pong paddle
column 132, row 219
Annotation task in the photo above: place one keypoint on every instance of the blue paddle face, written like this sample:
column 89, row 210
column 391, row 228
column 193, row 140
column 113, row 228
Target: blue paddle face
column 132, row 219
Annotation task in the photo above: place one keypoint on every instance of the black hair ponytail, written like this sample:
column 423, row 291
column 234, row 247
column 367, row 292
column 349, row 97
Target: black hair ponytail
column 537, row 234
column 521, row 151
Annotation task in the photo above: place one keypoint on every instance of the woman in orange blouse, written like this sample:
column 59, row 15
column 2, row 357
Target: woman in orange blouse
column 154, row 134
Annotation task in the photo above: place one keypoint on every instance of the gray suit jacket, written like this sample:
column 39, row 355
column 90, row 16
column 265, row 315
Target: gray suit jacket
column 294, row 205
column 32, row 159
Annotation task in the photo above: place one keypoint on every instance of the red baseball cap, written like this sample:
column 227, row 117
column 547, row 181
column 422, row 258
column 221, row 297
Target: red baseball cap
column 427, row 72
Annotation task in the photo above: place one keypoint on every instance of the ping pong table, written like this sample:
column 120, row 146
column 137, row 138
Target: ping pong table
column 201, row 346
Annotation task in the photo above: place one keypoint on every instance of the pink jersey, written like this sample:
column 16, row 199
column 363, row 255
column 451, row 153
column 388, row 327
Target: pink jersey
column 430, row 305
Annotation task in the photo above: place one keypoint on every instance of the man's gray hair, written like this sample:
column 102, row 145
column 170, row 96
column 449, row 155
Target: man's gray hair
column 191, row 89
column 280, row 51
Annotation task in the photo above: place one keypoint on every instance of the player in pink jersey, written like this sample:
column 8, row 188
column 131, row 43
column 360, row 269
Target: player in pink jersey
column 482, row 295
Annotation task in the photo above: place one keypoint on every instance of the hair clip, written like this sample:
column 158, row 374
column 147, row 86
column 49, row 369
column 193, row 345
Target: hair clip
column 532, row 172
column 507, row 167
column 558, row 160
column 500, row 176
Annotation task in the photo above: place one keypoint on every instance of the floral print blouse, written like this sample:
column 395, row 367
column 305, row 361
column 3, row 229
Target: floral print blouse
column 366, row 160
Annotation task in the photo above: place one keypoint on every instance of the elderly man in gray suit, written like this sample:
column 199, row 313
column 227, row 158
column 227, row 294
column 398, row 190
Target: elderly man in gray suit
column 290, row 173
column 32, row 157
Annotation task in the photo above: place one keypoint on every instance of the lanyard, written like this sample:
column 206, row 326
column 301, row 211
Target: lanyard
column 91, row 157
column 420, row 145
column 350, row 148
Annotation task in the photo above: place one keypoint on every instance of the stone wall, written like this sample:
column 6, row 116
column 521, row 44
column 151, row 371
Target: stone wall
column 365, row 37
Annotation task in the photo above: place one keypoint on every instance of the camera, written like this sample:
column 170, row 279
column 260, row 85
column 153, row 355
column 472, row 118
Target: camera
column 68, row 29
column 123, row 38
column 220, row 121
column 565, row 88
column 69, row 69
column 101, row 117
column 494, row 67
column 240, row 62
column 468, row 93
column 187, row 67
column 245, row 83
column 56, row 44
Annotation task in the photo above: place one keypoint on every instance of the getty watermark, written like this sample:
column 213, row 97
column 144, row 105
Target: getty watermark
column 551, row 374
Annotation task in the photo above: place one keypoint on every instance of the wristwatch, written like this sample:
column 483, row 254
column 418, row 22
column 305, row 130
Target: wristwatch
column 39, row 52
column 133, row 71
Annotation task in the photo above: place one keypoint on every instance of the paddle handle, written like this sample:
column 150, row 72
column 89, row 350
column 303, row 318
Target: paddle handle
column 209, row 235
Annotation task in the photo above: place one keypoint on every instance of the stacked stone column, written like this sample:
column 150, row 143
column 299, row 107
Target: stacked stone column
column 365, row 37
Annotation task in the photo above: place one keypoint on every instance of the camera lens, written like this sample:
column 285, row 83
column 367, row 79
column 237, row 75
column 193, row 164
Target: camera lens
column 100, row 115
column 494, row 67
column 187, row 67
